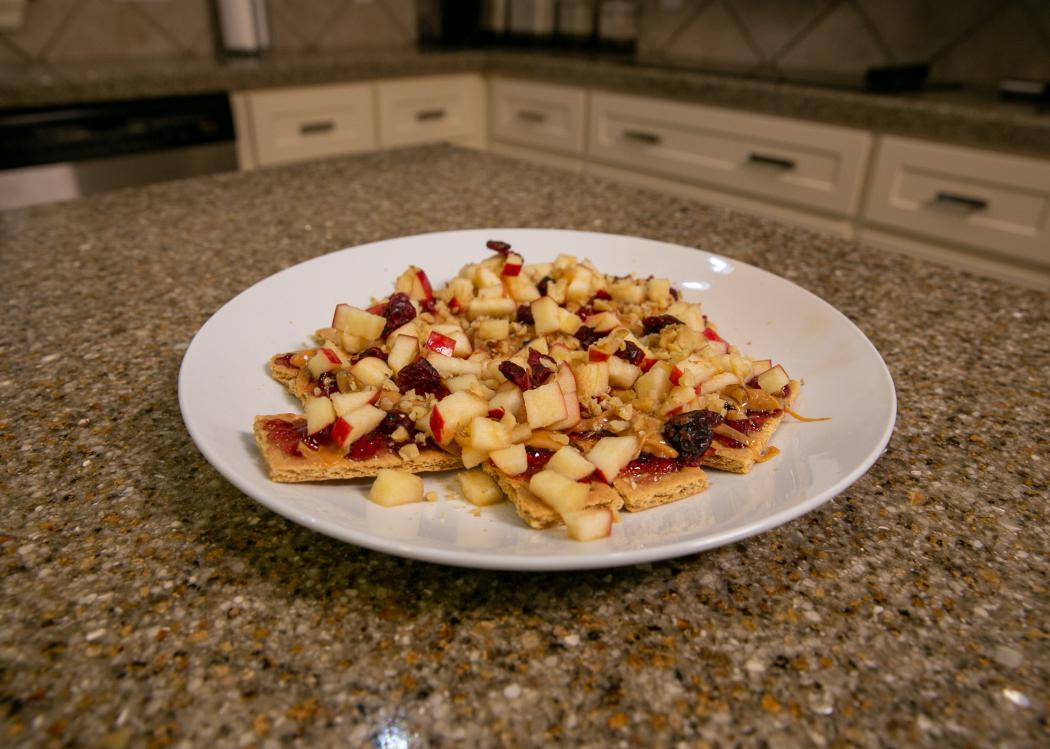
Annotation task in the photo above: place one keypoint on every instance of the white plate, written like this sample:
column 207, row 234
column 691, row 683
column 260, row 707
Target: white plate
column 224, row 383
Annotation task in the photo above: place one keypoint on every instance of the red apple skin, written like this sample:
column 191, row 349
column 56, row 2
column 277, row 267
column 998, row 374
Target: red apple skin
column 455, row 306
column 437, row 424
column 440, row 344
column 676, row 375
column 594, row 354
column 674, row 411
column 510, row 269
column 647, row 364
column 428, row 292
column 711, row 335
column 341, row 430
column 497, row 413
column 377, row 309
column 335, row 313
column 331, row 356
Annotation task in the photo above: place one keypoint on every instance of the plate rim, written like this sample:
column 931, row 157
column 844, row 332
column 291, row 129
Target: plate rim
column 533, row 563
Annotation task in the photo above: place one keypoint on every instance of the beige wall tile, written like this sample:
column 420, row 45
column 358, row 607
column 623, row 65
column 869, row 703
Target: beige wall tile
column 713, row 39
column 984, row 59
column 43, row 19
column 840, row 45
column 110, row 30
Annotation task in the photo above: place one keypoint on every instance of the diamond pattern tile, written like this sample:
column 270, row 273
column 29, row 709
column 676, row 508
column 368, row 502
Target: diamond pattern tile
column 714, row 39
column 840, row 44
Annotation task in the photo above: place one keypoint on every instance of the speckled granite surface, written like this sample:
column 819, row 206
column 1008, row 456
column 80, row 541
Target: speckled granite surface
column 145, row 602
column 955, row 118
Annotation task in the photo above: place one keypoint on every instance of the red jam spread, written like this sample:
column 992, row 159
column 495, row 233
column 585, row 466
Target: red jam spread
column 284, row 360
column 727, row 441
column 650, row 465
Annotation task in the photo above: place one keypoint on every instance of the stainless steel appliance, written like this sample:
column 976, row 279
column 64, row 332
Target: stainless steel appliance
column 60, row 153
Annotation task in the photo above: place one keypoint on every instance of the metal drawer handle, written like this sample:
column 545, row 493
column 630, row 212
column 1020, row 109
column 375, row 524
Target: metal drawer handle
column 773, row 161
column 424, row 115
column 642, row 136
column 955, row 200
column 316, row 128
column 531, row 115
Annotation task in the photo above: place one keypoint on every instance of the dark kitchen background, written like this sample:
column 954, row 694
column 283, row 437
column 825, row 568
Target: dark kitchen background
column 974, row 43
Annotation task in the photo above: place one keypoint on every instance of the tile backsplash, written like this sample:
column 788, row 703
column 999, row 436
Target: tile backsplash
column 94, row 30
column 976, row 42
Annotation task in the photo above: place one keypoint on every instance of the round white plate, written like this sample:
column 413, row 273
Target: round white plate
column 844, row 378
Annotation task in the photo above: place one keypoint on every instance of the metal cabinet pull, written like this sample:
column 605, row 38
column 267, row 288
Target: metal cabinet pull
column 642, row 136
column 316, row 128
column 531, row 115
column 955, row 200
column 773, row 161
column 425, row 115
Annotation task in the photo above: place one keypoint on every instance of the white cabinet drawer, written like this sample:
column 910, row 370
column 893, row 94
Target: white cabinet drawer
column 426, row 110
column 815, row 166
column 296, row 124
column 964, row 196
column 538, row 115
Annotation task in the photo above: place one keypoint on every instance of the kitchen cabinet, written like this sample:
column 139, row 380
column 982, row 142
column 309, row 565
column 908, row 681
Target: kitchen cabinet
column 927, row 198
column 800, row 164
column 541, row 122
column 279, row 126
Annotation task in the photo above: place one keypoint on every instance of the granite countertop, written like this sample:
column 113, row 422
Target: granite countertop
column 964, row 118
column 147, row 602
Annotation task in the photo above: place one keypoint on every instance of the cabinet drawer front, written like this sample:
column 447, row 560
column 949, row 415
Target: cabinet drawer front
column 312, row 122
column 539, row 115
column 974, row 198
column 816, row 166
column 429, row 110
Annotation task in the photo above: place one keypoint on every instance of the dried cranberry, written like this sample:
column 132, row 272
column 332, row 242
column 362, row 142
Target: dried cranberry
column 648, row 465
column 525, row 314
column 367, row 446
column 393, row 420
column 315, row 440
column 286, row 434
column 656, row 323
column 631, row 353
column 746, row 426
column 690, row 434
column 285, row 360
column 515, row 373
column 327, row 383
column 585, row 311
column 587, row 336
column 538, row 457
column 540, row 372
column 420, row 376
column 497, row 246
column 428, row 305
column 602, row 294
column 399, row 310
column 542, row 285
column 373, row 351
column 675, row 294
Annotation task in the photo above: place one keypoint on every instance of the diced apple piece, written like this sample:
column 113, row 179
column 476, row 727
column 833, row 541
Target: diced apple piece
column 677, row 400
column 545, row 314
column 692, row 374
column 501, row 307
column 352, row 344
column 472, row 457
column 362, row 421
column 488, row 435
column 570, row 463
column 512, row 264
column 493, row 330
column 509, row 398
column 628, row 291
column 371, row 371
column 622, row 374
column 568, row 322
column 544, row 405
column 603, row 322
column 462, row 347
column 579, row 289
column 773, row 380
column 565, row 262
column 718, row 383
column 589, row 524
column 449, row 366
column 403, row 351
column 358, row 322
column 485, row 277
column 611, row 454
column 691, row 315
column 491, row 292
column 479, row 488
column 564, row 495
column 513, row 460
column 454, row 411
column 761, row 365
column 560, row 352
column 325, row 360
column 658, row 290
column 521, row 289
column 344, row 403
column 392, row 488
column 566, row 380
column 656, row 383
column 319, row 414
column 592, row 378
column 521, row 433
column 556, row 290
column 463, row 382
